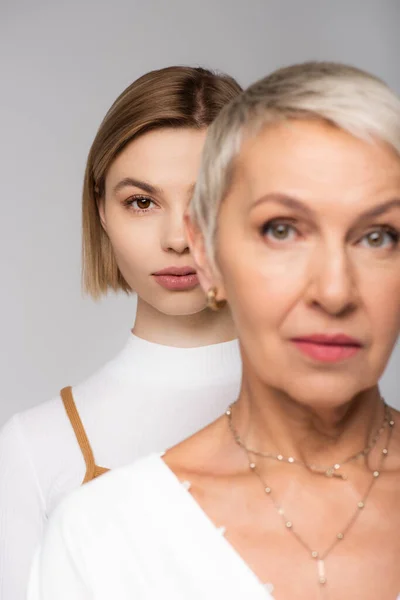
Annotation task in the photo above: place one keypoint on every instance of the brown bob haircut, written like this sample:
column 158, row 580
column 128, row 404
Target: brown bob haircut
column 171, row 97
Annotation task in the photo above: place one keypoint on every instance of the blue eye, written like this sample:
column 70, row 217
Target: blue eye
column 381, row 237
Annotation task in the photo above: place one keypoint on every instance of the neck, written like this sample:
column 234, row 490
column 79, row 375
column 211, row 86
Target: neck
column 270, row 421
column 183, row 331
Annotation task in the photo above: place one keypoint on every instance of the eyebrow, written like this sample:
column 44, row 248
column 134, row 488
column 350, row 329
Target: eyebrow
column 143, row 185
column 383, row 208
column 287, row 201
column 296, row 204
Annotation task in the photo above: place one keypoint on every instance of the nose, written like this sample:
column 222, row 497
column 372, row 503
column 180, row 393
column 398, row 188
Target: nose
column 173, row 238
column 332, row 284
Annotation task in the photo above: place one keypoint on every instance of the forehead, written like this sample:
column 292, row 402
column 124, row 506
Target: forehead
column 313, row 159
column 161, row 155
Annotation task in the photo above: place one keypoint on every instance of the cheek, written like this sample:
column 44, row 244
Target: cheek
column 262, row 285
column 133, row 243
column 381, row 294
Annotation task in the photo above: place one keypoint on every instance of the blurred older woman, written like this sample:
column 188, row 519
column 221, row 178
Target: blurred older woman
column 295, row 492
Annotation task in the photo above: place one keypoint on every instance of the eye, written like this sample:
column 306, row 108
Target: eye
column 278, row 230
column 381, row 238
column 139, row 203
column 142, row 203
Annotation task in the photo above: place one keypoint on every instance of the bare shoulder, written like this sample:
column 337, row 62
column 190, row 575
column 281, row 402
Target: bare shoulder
column 192, row 454
column 393, row 463
column 208, row 453
column 396, row 416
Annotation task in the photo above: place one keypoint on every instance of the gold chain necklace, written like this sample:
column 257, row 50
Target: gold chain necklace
column 331, row 471
column 315, row 555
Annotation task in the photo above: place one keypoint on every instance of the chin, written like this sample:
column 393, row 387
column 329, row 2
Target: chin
column 180, row 306
column 328, row 391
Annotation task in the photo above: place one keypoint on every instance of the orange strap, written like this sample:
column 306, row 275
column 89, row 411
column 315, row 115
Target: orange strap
column 92, row 470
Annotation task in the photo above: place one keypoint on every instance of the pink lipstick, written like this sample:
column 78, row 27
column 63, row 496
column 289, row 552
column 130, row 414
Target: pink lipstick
column 177, row 279
column 328, row 348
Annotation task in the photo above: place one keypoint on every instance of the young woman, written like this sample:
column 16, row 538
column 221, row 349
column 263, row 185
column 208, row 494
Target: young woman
column 180, row 365
column 295, row 491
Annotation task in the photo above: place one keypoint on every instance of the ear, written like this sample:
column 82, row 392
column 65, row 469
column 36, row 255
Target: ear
column 206, row 271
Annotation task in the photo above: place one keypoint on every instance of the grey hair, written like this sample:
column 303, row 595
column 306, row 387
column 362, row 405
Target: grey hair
column 348, row 98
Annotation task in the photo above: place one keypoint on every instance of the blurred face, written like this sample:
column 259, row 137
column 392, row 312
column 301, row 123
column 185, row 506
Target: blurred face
column 309, row 258
column 147, row 190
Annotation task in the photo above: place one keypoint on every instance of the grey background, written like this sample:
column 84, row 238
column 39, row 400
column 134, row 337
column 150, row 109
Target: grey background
column 62, row 64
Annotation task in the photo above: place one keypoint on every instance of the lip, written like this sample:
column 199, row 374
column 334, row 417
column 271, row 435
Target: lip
column 176, row 271
column 177, row 279
column 328, row 347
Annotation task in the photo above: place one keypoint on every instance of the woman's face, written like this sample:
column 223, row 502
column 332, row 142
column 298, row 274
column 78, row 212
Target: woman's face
column 147, row 190
column 309, row 257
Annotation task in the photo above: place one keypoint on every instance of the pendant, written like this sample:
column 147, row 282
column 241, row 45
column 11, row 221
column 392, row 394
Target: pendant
column 332, row 472
column 321, row 572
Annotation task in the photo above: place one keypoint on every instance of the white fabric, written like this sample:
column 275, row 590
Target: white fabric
column 137, row 533
column 145, row 400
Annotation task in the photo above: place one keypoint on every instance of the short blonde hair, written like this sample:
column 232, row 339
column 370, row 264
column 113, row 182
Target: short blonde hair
column 348, row 98
column 171, row 97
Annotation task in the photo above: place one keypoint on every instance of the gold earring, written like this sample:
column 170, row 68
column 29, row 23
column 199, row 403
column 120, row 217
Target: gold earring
column 212, row 301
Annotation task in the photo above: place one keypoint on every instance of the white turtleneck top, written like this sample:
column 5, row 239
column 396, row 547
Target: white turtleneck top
column 147, row 399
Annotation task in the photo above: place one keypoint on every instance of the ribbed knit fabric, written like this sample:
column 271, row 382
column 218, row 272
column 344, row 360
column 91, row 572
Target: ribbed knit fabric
column 145, row 400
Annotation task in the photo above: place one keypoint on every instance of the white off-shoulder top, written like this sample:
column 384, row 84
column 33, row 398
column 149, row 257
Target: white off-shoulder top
column 136, row 533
